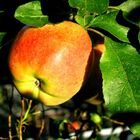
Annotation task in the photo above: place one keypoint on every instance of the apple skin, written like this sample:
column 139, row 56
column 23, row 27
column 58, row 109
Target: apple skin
column 51, row 63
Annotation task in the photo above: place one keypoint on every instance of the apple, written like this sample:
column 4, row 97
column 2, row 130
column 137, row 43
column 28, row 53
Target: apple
column 74, row 125
column 91, row 92
column 96, row 95
column 51, row 63
column 99, row 50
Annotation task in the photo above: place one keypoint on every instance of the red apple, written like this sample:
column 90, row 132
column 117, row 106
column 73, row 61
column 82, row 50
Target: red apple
column 51, row 63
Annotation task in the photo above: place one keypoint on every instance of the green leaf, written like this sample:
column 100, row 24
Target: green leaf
column 139, row 37
column 79, row 4
column 97, row 7
column 129, row 5
column 130, row 11
column 90, row 6
column 83, row 21
column 135, row 128
column 120, row 66
column 108, row 23
column 2, row 34
column 31, row 14
column 88, row 9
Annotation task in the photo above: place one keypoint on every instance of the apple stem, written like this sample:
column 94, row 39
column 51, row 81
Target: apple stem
column 95, row 31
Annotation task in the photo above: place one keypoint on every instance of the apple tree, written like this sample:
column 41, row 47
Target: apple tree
column 117, row 23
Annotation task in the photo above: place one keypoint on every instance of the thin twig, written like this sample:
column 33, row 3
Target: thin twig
column 113, row 121
column 10, row 125
column 28, row 110
column 21, row 118
column 1, row 138
column 10, row 114
column 42, row 122
column 42, row 127
column 37, row 113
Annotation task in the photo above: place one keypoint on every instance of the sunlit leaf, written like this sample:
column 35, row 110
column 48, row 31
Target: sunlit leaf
column 88, row 9
column 90, row 6
column 108, row 23
column 83, row 21
column 120, row 66
column 129, row 5
column 31, row 14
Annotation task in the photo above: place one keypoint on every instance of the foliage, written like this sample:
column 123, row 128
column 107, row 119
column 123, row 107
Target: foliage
column 31, row 14
column 119, row 25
